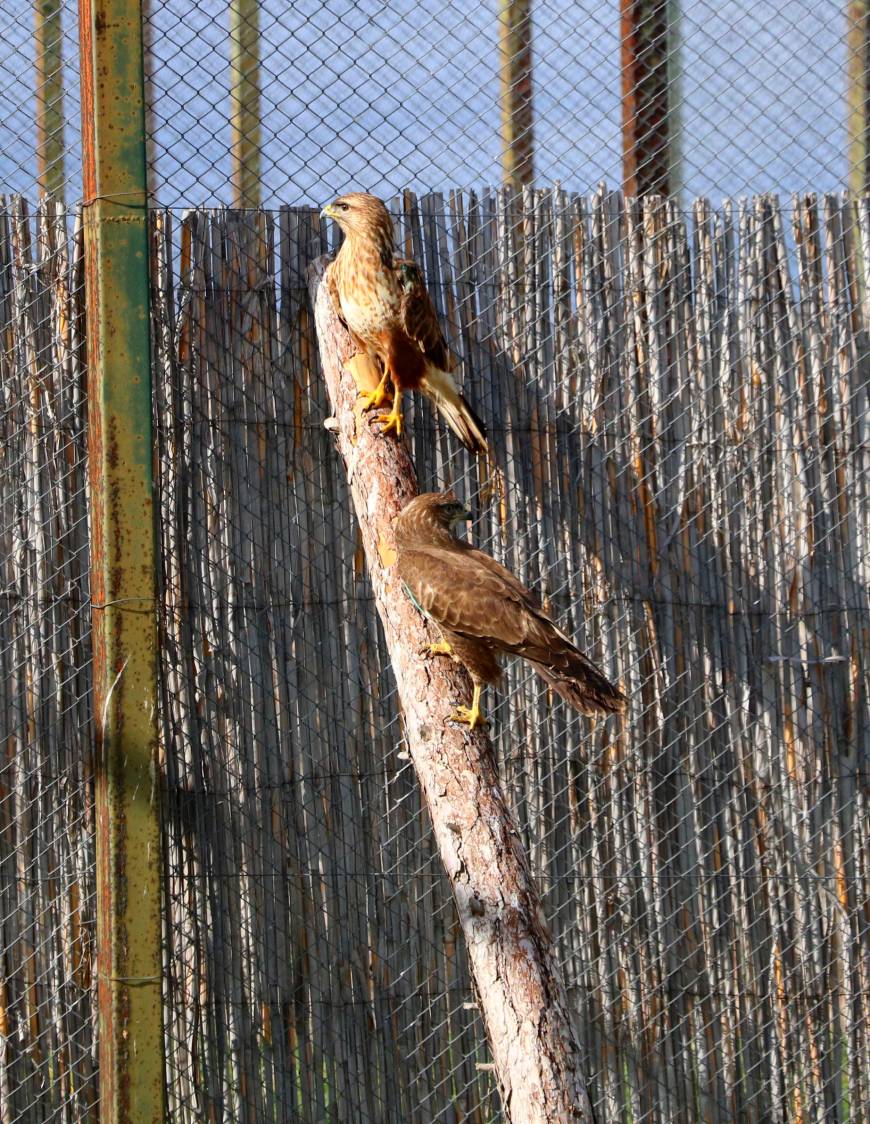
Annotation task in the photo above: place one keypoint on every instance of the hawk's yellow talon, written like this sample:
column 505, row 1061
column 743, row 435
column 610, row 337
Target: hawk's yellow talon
column 392, row 420
column 442, row 648
column 471, row 716
column 374, row 397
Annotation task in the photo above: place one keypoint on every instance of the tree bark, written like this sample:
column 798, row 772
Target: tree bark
column 522, row 997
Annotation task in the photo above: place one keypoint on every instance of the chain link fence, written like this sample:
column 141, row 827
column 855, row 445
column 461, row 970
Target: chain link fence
column 676, row 393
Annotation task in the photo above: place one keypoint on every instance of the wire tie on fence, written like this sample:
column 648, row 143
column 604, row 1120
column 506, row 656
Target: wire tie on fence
column 136, row 979
column 118, row 197
column 151, row 600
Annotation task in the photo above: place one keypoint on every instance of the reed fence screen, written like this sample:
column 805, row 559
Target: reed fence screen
column 47, row 879
column 678, row 408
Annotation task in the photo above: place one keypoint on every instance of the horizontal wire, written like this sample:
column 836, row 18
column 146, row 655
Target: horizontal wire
column 617, row 597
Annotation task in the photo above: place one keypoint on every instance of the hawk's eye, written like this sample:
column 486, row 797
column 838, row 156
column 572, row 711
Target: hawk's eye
column 342, row 206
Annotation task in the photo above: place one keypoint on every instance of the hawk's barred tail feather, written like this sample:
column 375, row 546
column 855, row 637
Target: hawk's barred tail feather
column 475, row 426
column 583, row 686
column 440, row 387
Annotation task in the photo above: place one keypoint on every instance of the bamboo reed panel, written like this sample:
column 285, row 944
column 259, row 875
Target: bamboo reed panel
column 47, row 1048
column 678, row 404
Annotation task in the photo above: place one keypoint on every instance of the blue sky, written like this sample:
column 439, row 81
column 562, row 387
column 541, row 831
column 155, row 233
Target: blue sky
column 385, row 96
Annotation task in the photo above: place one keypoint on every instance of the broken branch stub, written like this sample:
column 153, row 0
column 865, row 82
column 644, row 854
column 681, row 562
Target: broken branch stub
column 513, row 961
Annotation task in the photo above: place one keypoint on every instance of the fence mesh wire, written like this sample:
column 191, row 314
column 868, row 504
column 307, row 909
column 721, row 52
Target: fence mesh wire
column 677, row 399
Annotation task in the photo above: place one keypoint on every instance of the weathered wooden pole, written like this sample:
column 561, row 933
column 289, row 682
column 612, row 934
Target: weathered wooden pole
column 646, row 110
column 523, row 1000
column 858, row 94
column 123, row 569
column 515, row 54
column 245, row 102
column 48, row 43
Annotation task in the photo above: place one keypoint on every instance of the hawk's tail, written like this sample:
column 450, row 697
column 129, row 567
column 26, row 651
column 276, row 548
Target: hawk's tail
column 581, row 684
column 440, row 387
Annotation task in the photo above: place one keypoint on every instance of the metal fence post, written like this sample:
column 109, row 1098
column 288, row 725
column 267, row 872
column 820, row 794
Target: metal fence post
column 245, row 102
column 646, row 109
column 857, row 93
column 515, row 53
column 123, row 557
column 48, row 59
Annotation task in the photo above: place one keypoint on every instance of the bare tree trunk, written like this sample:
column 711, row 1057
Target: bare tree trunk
column 519, row 985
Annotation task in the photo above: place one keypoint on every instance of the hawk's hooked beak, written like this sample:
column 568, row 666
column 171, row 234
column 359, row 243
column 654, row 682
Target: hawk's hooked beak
column 327, row 212
column 463, row 517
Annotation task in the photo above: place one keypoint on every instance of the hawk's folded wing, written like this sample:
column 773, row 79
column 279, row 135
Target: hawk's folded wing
column 419, row 318
column 468, row 593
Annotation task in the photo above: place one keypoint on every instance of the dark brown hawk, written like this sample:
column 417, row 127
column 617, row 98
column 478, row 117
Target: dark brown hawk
column 483, row 611
column 383, row 302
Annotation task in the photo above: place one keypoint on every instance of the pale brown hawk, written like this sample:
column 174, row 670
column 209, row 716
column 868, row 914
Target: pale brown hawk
column 383, row 301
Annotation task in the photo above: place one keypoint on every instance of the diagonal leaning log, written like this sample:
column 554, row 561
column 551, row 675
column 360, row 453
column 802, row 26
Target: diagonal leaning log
column 518, row 980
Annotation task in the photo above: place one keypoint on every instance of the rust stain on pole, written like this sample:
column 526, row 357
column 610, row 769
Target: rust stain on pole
column 515, row 50
column 646, row 120
column 123, row 565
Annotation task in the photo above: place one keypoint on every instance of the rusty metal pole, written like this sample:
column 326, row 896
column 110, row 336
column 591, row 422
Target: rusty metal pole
column 646, row 110
column 48, row 60
column 123, row 565
column 245, row 102
column 515, row 53
column 858, row 94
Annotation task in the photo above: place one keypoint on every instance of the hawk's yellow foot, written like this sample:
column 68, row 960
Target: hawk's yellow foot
column 471, row 716
column 442, row 648
column 393, row 419
column 375, row 397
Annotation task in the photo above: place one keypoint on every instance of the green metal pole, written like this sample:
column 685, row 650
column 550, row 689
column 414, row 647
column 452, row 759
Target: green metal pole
column 515, row 51
column 123, row 565
column 857, row 94
column 245, row 102
column 48, row 40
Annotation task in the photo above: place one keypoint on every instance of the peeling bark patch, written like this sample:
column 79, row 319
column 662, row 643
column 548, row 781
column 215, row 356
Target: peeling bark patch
column 387, row 554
